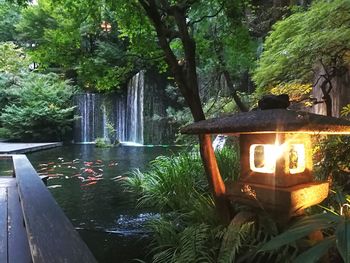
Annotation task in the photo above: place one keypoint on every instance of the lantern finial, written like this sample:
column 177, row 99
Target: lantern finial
column 268, row 102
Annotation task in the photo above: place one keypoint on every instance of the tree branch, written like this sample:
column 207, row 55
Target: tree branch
column 205, row 17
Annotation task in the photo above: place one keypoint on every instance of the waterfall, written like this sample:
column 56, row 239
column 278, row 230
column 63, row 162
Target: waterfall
column 104, row 123
column 87, row 116
column 219, row 142
column 134, row 109
column 124, row 112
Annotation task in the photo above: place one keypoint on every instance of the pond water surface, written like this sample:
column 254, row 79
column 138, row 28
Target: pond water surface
column 87, row 184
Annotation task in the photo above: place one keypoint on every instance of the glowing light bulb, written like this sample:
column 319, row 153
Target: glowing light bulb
column 263, row 157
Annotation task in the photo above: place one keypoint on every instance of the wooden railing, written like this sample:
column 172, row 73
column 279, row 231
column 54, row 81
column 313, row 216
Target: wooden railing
column 48, row 234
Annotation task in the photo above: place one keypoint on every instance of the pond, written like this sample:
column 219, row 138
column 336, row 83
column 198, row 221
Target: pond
column 87, row 184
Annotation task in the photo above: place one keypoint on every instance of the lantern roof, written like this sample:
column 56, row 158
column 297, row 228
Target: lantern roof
column 270, row 121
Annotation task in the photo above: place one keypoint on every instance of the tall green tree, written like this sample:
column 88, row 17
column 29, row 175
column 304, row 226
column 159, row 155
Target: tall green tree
column 310, row 46
column 172, row 26
column 9, row 17
column 33, row 106
column 67, row 36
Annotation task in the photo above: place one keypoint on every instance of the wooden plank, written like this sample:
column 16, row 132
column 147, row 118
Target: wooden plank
column 52, row 237
column 3, row 224
column 18, row 247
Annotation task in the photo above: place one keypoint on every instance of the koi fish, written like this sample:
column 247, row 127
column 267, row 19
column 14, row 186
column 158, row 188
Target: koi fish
column 91, row 183
column 52, row 175
column 51, row 163
column 116, row 178
column 90, row 178
column 90, row 171
column 43, row 164
column 99, row 161
column 54, row 186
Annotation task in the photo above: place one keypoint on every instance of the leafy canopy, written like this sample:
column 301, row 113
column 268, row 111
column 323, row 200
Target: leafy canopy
column 9, row 17
column 297, row 44
column 67, row 35
column 12, row 59
column 33, row 106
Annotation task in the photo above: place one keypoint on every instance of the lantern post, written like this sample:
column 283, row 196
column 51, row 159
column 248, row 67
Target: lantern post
column 275, row 155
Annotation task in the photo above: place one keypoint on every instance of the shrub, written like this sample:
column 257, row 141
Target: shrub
column 188, row 229
column 38, row 107
column 102, row 143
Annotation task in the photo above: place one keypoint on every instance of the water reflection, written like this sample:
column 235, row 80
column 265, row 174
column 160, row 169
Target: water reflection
column 87, row 183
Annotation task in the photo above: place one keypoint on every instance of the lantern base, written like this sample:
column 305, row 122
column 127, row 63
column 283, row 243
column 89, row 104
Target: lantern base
column 287, row 200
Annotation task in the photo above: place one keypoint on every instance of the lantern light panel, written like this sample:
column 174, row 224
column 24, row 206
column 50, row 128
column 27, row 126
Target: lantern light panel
column 263, row 157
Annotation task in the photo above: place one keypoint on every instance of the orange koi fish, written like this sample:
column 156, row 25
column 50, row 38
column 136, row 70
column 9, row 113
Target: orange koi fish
column 91, row 183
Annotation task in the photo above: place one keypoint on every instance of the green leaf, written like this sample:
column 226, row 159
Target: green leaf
column 314, row 253
column 343, row 240
column 302, row 228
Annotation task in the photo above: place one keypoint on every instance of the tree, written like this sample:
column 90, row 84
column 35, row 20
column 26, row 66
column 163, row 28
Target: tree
column 13, row 59
column 173, row 29
column 9, row 16
column 311, row 43
column 67, row 37
column 33, row 106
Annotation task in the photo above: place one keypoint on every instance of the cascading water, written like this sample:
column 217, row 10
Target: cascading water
column 134, row 109
column 86, row 108
column 101, row 114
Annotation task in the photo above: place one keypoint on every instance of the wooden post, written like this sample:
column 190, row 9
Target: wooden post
column 214, row 178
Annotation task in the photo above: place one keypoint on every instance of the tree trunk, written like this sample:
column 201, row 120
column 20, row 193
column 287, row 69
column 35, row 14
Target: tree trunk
column 241, row 106
column 185, row 76
column 327, row 97
column 214, row 178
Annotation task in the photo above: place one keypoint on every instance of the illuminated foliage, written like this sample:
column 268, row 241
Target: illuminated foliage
column 313, row 40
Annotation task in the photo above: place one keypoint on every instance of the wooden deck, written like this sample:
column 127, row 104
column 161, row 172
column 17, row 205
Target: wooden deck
column 33, row 228
column 16, row 148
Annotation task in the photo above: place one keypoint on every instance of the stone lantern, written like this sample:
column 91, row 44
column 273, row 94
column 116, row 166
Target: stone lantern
column 275, row 156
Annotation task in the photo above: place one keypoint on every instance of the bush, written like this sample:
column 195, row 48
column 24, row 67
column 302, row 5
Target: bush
column 103, row 143
column 188, row 229
column 38, row 107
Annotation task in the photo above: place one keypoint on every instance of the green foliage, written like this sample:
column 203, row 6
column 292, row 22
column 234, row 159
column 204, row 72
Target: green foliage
column 228, row 161
column 33, row 106
column 335, row 224
column 233, row 239
column 9, row 16
column 345, row 111
column 68, row 35
column 173, row 244
column 173, row 184
column 223, row 41
column 102, row 143
column 12, row 59
column 38, row 108
column 304, row 40
column 188, row 228
column 332, row 160
column 3, row 133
